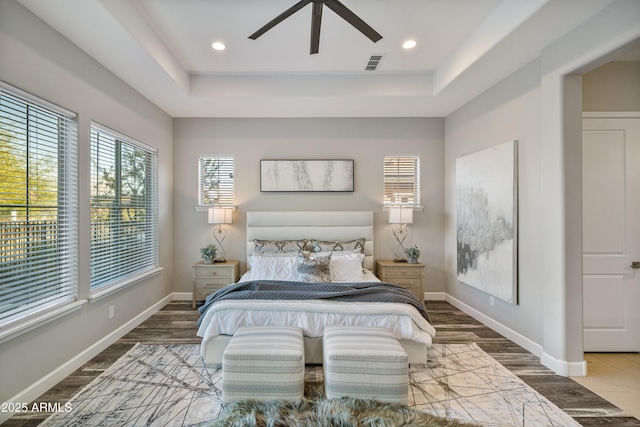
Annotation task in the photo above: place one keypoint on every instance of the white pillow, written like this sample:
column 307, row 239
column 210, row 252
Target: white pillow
column 346, row 267
column 271, row 255
column 273, row 267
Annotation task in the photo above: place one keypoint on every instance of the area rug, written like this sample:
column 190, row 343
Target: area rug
column 168, row 385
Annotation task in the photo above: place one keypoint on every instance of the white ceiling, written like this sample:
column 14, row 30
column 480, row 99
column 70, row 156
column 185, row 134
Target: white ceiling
column 162, row 48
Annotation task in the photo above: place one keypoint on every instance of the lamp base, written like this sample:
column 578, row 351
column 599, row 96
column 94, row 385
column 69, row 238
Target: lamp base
column 400, row 234
column 219, row 236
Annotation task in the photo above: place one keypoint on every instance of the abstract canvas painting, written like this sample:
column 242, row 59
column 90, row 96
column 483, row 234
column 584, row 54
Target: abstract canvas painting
column 486, row 205
column 306, row 175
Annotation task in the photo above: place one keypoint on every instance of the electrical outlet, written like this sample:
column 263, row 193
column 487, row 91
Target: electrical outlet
column 112, row 312
column 492, row 300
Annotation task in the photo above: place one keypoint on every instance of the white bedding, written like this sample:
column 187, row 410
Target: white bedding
column 311, row 316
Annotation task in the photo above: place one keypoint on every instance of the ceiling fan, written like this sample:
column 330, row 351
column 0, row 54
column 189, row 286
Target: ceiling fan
column 316, row 19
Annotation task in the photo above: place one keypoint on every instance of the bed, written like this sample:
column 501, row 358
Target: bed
column 312, row 269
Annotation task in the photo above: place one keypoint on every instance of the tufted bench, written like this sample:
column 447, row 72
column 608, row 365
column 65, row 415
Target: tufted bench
column 365, row 363
column 263, row 363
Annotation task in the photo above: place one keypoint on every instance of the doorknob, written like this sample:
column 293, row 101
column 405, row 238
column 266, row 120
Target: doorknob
column 635, row 264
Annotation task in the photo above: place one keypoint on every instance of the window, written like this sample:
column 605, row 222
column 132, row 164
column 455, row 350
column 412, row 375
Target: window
column 402, row 180
column 124, row 211
column 216, row 181
column 38, row 206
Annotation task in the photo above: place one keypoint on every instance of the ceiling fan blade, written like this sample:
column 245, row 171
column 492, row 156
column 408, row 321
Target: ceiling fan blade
column 353, row 19
column 316, row 21
column 278, row 19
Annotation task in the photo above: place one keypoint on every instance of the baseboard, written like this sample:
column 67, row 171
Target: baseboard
column 36, row 389
column 560, row 367
column 503, row 330
column 564, row 368
column 435, row 296
column 183, row 296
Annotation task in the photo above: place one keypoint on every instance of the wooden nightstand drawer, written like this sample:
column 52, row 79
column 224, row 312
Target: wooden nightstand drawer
column 403, row 271
column 416, row 281
column 202, row 294
column 206, row 287
column 214, row 281
column 214, row 271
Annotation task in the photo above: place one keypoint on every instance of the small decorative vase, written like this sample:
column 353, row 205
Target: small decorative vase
column 207, row 260
column 412, row 260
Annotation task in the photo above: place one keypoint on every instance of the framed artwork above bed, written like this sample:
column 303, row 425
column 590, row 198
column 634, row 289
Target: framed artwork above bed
column 306, row 175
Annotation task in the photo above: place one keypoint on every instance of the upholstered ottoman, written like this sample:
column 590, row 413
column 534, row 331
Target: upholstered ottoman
column 365, row 363
column 263, row 363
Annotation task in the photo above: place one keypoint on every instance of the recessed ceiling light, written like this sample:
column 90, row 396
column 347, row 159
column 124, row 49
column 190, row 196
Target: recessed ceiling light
column 409, row 44
column 218, row 46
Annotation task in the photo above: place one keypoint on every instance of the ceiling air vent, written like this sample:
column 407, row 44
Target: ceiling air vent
column 374, row 62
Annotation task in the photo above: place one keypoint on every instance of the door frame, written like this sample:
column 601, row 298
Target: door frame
column 608, row 115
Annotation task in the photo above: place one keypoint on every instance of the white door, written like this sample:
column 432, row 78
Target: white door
column 611, row 233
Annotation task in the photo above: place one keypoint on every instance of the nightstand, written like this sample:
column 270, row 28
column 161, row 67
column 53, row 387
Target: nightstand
column 407, row 275
column 208, row 278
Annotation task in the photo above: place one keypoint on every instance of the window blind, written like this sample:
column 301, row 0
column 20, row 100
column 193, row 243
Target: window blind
column 402, row 180
column 216, row 181
column 38, row 206
column 124, row 208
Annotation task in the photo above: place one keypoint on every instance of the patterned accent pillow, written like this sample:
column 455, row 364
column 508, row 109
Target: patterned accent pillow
column 313, row 269
column 266, row 246
column 356, row 245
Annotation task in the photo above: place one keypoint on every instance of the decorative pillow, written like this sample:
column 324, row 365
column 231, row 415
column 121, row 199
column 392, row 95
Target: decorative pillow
column 346, row 267
column 266, row 246
column 267, row 267
column 326, row 246
column 313, row 269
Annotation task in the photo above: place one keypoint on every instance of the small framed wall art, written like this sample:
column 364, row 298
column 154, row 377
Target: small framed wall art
column 306, row 175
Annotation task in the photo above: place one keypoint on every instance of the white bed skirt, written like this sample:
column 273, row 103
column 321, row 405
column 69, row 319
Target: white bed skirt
column 213, row 349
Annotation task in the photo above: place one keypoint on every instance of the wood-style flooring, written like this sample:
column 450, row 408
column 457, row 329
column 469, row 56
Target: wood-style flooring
column 175, row 323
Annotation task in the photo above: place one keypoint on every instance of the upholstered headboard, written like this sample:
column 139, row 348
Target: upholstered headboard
column 321, row 225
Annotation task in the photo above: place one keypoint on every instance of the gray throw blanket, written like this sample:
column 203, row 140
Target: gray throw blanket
column 284, row 290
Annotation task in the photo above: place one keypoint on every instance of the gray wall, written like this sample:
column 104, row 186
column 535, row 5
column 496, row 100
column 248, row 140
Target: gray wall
column 364, row 140
column 509, row 110
column 39, row 60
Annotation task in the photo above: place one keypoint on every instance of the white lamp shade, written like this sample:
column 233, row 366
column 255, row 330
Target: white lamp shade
column 400, row 215
column 219, row 215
